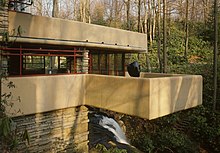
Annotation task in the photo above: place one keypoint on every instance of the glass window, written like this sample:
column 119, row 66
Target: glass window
column 111, row 62
column 103, row 62
column 95, row 61
column 33, row 62
column 118, row 62
column 63, row 62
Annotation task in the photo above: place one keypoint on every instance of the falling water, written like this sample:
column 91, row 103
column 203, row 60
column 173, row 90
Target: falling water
column 111, row 125
column 105, row 130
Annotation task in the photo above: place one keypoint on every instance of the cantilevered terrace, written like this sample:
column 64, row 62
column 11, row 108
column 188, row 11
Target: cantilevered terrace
column 48, row 47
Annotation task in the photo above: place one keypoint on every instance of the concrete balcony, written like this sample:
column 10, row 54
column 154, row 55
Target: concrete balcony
column 149, row 97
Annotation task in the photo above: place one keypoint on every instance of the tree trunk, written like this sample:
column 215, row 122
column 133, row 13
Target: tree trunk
column 128, row 14
column 88, row 18
column 215, row 72
column 206, row 9
column 55, row 10
column 75, row 10
column 159, row 35
column 186, row 30
column 85, row 11
column 181, row 10
column 39, row 7
column 193, row 11
column 139, row 15
column 116, row 14
column 146, row 31
column 82, row 11
column 154, row 20
column 111, row 14
column 164, row 36
column 55, row 13
column 150, row 21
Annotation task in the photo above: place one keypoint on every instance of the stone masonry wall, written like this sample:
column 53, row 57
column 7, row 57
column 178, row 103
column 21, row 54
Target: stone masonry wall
column 3, row 17
column 3, row 30
column 64, row 130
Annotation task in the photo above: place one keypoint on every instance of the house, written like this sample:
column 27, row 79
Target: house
column 42, row 45
column 56, row 66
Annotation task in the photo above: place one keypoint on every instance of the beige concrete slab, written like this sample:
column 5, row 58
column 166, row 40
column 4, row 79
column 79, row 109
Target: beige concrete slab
column 147, row 98
column 59, row 31
column 171, row 94
column 46, row 93
column 120, row 94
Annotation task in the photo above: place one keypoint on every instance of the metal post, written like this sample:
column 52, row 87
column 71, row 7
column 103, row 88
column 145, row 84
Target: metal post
column 20, row 61
column 74, row 62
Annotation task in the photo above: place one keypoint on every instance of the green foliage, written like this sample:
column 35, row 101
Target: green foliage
column 5, row 37
column 207, row 33
column 199, row 50
column 2, row 3
column 8, row 134
column 7, row 126
column 174, row 140
column 15, row 32
column 99, row 21
column 9, row 137
column 206, row 127
column 144, row 142
column 102, row 149
column 181, row 132
column 26, row 136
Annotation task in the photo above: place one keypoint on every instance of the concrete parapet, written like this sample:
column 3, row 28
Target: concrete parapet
column 47, row 93
column 149, row 98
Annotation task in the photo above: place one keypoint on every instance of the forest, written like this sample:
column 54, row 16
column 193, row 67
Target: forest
column 181, row 38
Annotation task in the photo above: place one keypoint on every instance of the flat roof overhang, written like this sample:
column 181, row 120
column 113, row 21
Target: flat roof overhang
column 55, row 31
column 87, row 45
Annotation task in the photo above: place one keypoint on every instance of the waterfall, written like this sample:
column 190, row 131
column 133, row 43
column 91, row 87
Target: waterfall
column 110, row 127
column 106, row 131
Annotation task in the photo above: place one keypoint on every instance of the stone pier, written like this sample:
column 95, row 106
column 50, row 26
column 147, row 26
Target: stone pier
column 64, row 130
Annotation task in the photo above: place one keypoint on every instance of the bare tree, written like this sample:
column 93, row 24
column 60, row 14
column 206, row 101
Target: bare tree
column 193, row 10
column 85, row 11
column 146, row 31
column 116, row 15
column 154, row 18
column 98, row 13
column 186, row 30
column 55, row 10
column 206, row 9
column 215, row 72
column 150, row 22
column 180, row 9
column 159, row 35
column 39, row 7
column 139, row 15
column 165, row 36
column 128, row 3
